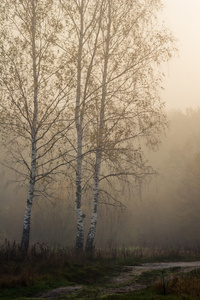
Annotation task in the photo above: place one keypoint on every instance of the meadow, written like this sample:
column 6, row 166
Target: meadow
column 44, row 269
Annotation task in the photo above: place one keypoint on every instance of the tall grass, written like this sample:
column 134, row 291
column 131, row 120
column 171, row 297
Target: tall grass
column 43, row 263
column 185, row 285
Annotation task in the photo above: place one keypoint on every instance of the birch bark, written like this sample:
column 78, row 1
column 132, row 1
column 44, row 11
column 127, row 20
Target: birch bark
column 88, row 35
column 31, row 188
column 79, row 214
column 27, row 215
column 100, row 141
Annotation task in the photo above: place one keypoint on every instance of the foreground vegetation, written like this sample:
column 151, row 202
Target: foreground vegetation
column 44, row 269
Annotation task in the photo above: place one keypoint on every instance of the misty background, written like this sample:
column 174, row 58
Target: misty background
column 166, row 214
column 181, row 84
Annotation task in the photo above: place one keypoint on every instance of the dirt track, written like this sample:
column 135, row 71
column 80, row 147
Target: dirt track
column 160, row 266
column 125, row 279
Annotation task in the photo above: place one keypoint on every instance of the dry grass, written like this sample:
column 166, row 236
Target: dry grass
column 44, row 268
column 185, row 285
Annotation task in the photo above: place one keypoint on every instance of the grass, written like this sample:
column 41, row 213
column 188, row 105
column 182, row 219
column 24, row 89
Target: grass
column 148, row 293
column 45, row 269
column 185, row 284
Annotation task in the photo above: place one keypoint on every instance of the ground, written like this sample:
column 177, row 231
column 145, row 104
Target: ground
column 133, row 278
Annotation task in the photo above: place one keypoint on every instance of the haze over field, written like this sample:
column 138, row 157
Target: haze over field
column 182, row 88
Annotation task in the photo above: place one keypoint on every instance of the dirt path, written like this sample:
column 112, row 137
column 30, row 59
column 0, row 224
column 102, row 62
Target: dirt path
column 124, row 283
column 160, row 266
column 54, row 294
column 126, row 278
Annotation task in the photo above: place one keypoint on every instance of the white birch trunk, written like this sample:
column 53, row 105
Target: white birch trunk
column 31, row 189
column 94, row 217
column 79, row 215
column 27, row 216
column 100, row 142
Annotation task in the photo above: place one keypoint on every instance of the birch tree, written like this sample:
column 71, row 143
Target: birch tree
column 114, row 48
column 130, row 110
column 34, row 97
column 81, row 45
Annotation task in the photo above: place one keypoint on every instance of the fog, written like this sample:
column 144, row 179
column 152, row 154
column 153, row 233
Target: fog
column 164, row 211
column 181, row 85
column 167, row 214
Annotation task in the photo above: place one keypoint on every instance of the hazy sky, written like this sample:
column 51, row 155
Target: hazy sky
column 182, row 83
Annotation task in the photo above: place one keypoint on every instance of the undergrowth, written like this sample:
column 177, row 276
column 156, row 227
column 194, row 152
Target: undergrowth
column 45, row 268
column 186, row 285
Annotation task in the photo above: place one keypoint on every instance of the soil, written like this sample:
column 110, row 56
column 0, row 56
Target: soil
column 60, row 291
column 124, row 282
